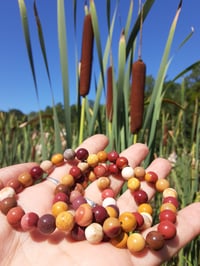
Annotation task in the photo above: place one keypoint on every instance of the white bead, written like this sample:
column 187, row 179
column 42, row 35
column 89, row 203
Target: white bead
column 170, row 192
column 109, row 201
column 148, row 220
column 127, row 172
column 94, row 233
column 6, row 192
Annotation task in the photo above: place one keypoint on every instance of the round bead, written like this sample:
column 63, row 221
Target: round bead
column 128, row 221
column 47, row 166
column 82, row 154
column 112, row 227
column 25, row 179
column 14, row 215
column 84, row 215
column 59, row 207
column 29, row 221
column 108, row 201
column 127, row 172
column 167, row 229
column 103, row 182
column 60, row 196
column 172, row 200
column 170, row 192
column 167, row 215
column 92, row 160
column 155, row 240
column 46, row 224
column 107, row 193
column 75, row 171
column 161, row 184
column 140, row 196
column 65, row 221
column 83, row 166
column 136, row 242
column 139, row 172
column 7, row 203
column 120, row 241
column 57, row 159
column 148, row 220
column 112, row 156
column 36, row 172
column 139, row 219
column 168, row 206
column 69, row 154
column 121, row 162
column 113, row 169
column 100, row 170
column 78, row 201
column 7, row 192
column 151, row 177
column 15, row 184
column 112, row 210
column 145, row 207
column 94, row 233
column 78, row 232
column 74, row 194
column 102, row 156
column 99, row 213
column 61, row 188
column 91, row 176
column 133, row 184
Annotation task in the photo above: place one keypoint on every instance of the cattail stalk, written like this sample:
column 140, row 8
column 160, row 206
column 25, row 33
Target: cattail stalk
column 86, row 56
column 137, row 95
column 109, row 98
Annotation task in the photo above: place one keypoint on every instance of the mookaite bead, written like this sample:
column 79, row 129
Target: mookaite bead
column 127, row 172
column 14, row 215
column 94, row 233
column 112, row 227
column 99, row 213
column 14, row 183
column 82, row 154
column 120, row 241
column 140, row 196
column 155, row 240
column 136, row 242
column 112, row 210
column 148, row 220
column 84, row 215
column 112, row 156
column 167, row 215
column 128, row 221
column 36, row 172
column 59, row 207
column 107, row 193
column 7, row 203
column 103, row 182
column 167, row 229
column 139, row 172
column 25, row 179
column 47, row 166
column 65, row 221
column 108, row 201
column 133, row 184
column 162, row 184
column 170, row 192
column 151, row 177
column 92, row 160
column 69, row 154
column 67, row 180
column 7, row 192
column 121, row 162
column 57, row 159
column 29, row 221
column 102, row 156
column 46, row 224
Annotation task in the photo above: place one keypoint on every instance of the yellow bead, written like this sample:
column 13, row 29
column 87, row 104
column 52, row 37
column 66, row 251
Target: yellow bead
column 92, row 160
column 120, row 241
column 133, row 184
column 65, row 221
column 145, row 207
column 25, row 179
column 162, row 184
column 57, row 159
column 67, row 180
column 59, row 207
column 112, row 211
column 168, row 206
column 102, row 156
column 135, row 242
column 170, row 192
column 128, row 221
column 103, row 182
column 139, row 172
column 91, row 176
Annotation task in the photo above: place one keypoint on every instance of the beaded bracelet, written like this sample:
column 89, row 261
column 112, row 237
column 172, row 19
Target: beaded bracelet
column 83, row 219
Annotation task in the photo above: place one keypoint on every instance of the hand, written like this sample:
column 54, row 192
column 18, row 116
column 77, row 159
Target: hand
column 25, row 248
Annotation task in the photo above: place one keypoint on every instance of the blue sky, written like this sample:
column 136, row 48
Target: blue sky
column 16, row 82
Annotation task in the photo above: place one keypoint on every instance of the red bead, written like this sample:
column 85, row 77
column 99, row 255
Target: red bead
column 121, row 162
column 139, row 219
column 140, row 196
column 46, row 224
column 36, row 172
column 7, row 203
column 167, row 215
column 75, row 171
column 14, row 215
column 113, row 169
column 167, row 229
column 107, row 193
column 100, row 170
column 100, row 214
column 15, row 184
column 151, row 177
column 61, row 196
column 112, row 156
column 82, row 154
column 172, row 200
column 29, row 221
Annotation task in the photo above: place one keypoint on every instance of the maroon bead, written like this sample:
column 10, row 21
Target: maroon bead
column 29, row 221
column 61, row 196
column 82, row 154
column 100, row 214
column 139, row 219
column 15, row 184
column 113, row 169
column 112, row 156
column 78, row 233
column 36, row 172
column 167, row 215
column 172, row 200
column 75, row 171
column 121, row 162
column 7, row 204
column 167, row 229
column 140, row 196
column 62, row 188
column 155, row 240
column 46, row 224
column 107, row 193
column 78, row 201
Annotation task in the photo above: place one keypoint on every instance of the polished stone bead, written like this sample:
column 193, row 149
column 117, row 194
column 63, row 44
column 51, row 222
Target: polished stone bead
column 46, row 224
column 112, row 156
column 127, row 172
column 14, row 215
column 136, row 242
column 155, row 240
column 36, row 172
column 167, row 229
column 94, row 233
column 47, row 166
column 59, row 207
column 15, row 184
column 112, row 227
column 140, row 196
column 6, row 192
column 107, row 193
column 69, row 154
column 82, row 154
column 29, row 221
column 65, row 221
column 84, row 215
column 25, row 179
column 100, row 214
column 78, row 233
column 7, row 203
column 57, row 159
column 78, row 201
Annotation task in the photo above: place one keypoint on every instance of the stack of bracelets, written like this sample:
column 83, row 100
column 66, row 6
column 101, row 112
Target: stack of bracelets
column 81, row 218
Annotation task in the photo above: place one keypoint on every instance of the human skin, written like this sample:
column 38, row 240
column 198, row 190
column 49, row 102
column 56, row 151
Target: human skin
column 32, row 248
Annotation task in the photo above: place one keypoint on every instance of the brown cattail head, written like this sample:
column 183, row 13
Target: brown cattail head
column 86, row 56
column 109, row 98
column 137, row 95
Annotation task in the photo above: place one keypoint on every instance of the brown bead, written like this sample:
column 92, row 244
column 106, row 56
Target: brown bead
column 7, row 204
column 62, row 188
column 155, row 240
column 15, row 215
column 25, row 179
column 15, row 184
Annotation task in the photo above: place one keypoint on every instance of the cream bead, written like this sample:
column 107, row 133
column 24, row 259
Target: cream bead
column 94, row 233
column 127, row 172
column 6, row 192
column 109, row 201
column 148, row 220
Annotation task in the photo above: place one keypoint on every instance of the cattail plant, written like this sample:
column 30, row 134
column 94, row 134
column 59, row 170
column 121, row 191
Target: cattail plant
column 109, row 96
column 86, row 56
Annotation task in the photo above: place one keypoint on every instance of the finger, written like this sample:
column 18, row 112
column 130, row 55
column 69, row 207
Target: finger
column 188, row 228
column 162, row 168
column 135, row 155
column 14, row 171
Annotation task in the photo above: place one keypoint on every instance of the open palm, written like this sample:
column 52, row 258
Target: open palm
column 25, row 248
